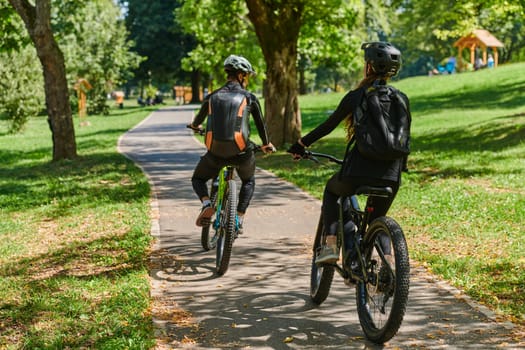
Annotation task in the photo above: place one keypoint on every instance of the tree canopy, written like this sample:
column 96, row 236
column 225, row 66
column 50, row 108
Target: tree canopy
column 72, row 39
column 326, row 29
column 159, row 39
column 296, row 46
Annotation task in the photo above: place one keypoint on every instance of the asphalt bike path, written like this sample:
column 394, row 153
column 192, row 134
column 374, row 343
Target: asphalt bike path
column 263, row 302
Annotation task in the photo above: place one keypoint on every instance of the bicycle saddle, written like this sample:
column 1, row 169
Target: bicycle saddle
column 374, row 191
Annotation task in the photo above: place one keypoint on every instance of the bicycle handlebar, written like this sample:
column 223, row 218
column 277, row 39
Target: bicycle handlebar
column 313, row 156
column 199, row 131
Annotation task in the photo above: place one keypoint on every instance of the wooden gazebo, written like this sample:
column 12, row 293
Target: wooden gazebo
column 478, row 38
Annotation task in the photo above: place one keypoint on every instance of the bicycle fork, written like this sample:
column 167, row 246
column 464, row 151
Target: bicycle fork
column 220, row 197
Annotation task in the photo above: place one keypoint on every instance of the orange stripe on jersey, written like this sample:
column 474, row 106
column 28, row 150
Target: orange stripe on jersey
column 209, row 137
column 239, row 140
column 241, row 108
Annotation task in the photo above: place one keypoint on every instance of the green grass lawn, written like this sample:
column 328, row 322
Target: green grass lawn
column 462, row 205
column 74, row 235
column 74, row 240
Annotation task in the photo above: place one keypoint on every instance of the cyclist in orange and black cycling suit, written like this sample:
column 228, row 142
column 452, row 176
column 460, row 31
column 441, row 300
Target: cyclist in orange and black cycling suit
column 227, row 137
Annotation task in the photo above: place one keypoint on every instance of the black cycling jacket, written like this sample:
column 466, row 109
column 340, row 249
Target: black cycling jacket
column 358, row 166
column 254, row 108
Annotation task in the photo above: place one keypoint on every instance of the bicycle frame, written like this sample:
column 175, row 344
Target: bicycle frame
column 225, row 174
column 361, row 218
column 379, row 266
column 345, row 269
column 224, row 220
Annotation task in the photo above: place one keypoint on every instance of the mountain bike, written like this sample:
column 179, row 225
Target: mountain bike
column 374, row 259
column 224, row 221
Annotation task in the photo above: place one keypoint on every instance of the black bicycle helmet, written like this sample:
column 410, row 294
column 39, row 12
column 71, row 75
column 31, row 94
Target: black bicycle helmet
column 236, row 63
column 384, row 58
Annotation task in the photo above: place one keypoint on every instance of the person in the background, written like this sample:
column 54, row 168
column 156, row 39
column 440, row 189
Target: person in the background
column 451, row 65
column 478, row 63
column 490, row 61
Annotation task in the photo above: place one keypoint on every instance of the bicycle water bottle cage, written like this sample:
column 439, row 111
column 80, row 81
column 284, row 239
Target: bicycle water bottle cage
column 374, row 191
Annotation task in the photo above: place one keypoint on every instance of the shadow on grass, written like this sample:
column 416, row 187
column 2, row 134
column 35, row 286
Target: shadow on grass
column 105, row 178
column 509, row 95
column 76, row 289
column 495, row 135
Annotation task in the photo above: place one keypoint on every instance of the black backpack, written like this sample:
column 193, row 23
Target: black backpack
column 382, row 124
column 228, row 128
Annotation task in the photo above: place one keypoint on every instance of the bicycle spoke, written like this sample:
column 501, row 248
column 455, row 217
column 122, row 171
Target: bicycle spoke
column 382, row 298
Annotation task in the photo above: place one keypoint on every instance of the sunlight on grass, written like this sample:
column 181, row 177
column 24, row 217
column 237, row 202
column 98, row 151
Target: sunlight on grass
column 75, row 238
column 75, row 234
column 463, row 202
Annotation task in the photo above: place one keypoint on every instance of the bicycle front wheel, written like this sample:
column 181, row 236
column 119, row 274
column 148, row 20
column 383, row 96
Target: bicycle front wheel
column 382, row 297
column 227, row 229
column 321, row 276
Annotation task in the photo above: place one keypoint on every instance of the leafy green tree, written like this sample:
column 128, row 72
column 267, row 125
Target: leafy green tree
column 427, row 30
column 21, row 85
column 217, row 38
column 330, row 40
column 158, row 38
column 37, row 20
column 94, row 40
column 276, row 26
column 20, row 72
column 505, row 20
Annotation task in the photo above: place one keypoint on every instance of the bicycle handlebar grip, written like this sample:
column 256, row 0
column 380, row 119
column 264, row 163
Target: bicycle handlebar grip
column 196, row 130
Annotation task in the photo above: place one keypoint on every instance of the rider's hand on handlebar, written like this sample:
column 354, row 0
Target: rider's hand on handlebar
column 297, row 150
column 195, row 129
column 269, row 148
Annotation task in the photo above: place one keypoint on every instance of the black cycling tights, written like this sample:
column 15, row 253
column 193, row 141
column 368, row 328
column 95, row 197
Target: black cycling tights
column 209, row 166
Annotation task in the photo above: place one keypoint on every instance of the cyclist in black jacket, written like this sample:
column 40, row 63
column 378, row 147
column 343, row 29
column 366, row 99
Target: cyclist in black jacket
column 382, row 61
column 227, row 136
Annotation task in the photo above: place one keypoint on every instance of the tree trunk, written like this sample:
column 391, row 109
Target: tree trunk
column 37, row 20
column 195, row 86
column 278, row 32
column 283, row 116
column 303, row 90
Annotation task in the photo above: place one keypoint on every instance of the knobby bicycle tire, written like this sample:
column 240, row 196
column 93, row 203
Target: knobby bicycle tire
column 382, row 299
column 209, row 241
column 227, row 234
column 320, row 276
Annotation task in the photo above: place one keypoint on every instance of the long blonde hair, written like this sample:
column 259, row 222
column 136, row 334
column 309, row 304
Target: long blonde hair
column 367, row 81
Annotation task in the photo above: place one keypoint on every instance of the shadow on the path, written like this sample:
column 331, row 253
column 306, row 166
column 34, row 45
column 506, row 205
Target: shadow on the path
column 242, row 308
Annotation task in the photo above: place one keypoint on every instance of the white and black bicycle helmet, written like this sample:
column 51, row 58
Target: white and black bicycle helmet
column 236, row 63
column 384, row 58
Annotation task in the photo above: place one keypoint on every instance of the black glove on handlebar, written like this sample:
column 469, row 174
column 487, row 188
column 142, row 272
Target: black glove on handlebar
column 297, row 149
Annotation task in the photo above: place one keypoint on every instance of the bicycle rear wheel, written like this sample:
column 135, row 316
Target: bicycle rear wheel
column 321, row 276
column 209, row 240
column 227, row 229
column 382, row 298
